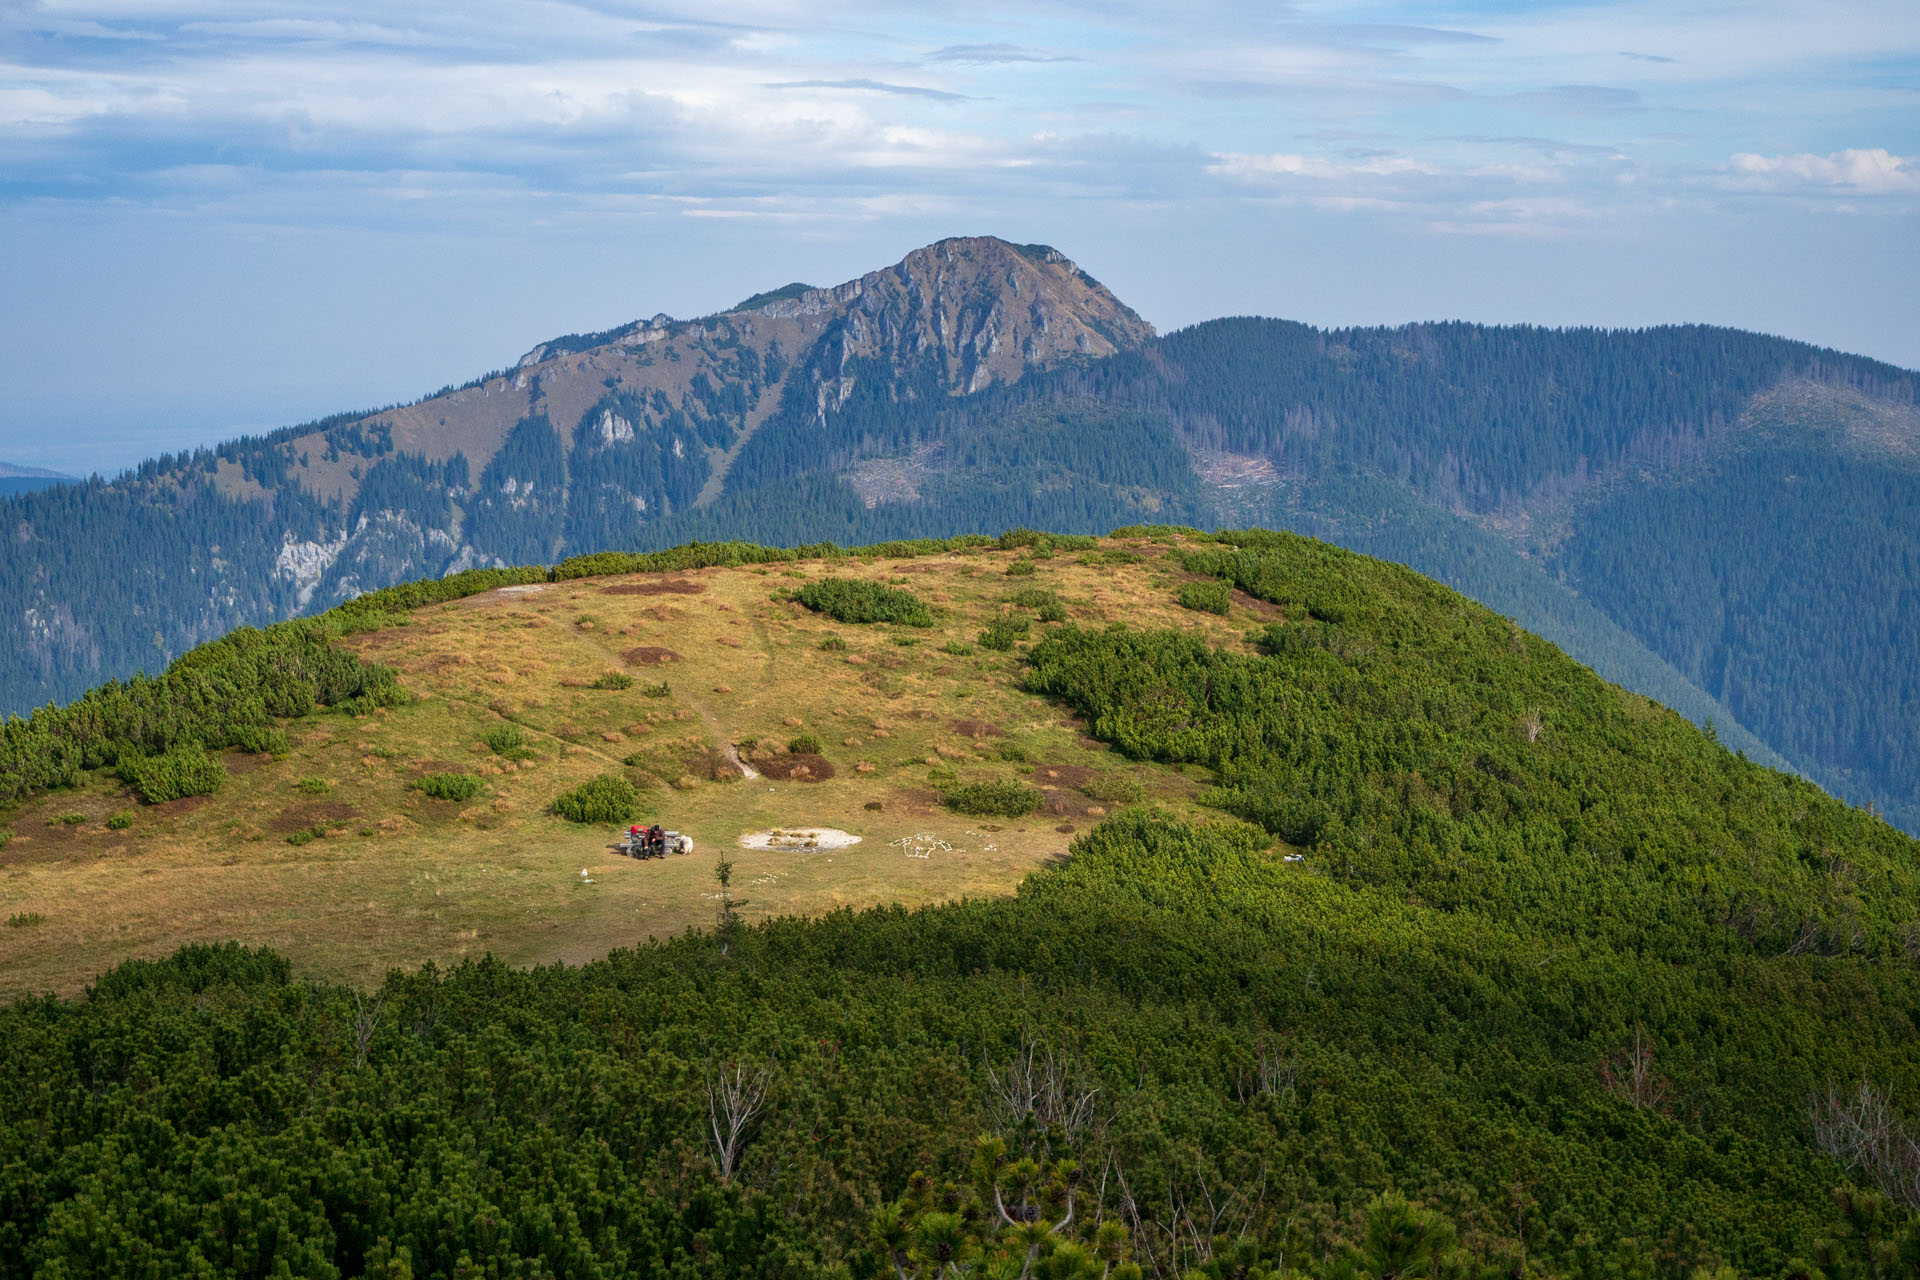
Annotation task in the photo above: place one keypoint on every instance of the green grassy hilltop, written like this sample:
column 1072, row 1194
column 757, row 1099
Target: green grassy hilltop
column 1351, row 931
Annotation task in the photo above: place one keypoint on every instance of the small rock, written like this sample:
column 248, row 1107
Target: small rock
column 793, row 722
column 612, row 735
column 723, row 688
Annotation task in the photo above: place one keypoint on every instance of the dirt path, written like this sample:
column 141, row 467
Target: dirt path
column 721, row 732
column 747, row 771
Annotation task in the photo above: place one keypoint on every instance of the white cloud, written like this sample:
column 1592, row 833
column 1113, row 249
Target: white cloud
column 1283, row 166
column 1869, row 171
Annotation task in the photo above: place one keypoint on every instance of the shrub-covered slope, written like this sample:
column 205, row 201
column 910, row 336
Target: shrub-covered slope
column 1469, row 925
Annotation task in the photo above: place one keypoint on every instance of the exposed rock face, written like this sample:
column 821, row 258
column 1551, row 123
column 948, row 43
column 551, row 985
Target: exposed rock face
column 305, row 563
column 971, row 313
column 986, row 310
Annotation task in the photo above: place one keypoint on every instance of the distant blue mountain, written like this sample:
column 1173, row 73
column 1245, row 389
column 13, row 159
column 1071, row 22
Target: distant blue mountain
column 15, row 479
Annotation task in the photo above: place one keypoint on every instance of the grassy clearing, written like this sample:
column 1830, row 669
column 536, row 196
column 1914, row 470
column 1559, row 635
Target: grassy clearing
column 334, row 856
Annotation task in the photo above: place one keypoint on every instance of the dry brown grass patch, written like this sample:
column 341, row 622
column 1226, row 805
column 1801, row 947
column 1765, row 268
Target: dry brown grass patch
column 649, row 655
column 664, row 587
column 804, row 767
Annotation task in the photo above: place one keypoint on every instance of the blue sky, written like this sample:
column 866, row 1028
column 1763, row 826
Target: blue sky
column 239, row 213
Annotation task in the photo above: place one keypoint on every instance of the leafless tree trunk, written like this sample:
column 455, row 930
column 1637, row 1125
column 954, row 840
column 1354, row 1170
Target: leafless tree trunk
column 735, row 1096
column 1532, row 724
column 1630, row 1075
column 1863, row 1132
column 1270, row 1074
column 366, row 1020
column 1043, row 1086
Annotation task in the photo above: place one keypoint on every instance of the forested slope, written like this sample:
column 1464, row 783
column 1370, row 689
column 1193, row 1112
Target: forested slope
column 1472, row 926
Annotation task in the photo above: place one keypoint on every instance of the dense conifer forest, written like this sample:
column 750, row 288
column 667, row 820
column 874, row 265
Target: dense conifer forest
column 1481, row 966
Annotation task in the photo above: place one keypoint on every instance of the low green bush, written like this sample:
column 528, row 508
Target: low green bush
column 661, row 690
column 607, row 798
column 450, row 786
column 1207, row 597
column 263, row 740
column 120, row 820
column 25, row 919
column 1113, row 789
column 806, row 744
column 1020, row 568
column 958, row 648
column 991, row 799
column 1002, row 632
column 314, row 786
column 613, row 680
column 508, row 740
column 184, row 771
column 1044, row 544
column 856, row 600
column 1053, row 611
column 833, row 644
column 1033, row 598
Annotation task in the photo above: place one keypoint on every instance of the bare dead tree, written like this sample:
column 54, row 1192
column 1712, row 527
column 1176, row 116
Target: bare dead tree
column 366, row 1020
column 735, row 1096
column 1861, row 1130
column 1270, row 1074
column 1197, row 1217
column 1533, row 724
column 1630, row 1075
column 1044, row 1088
